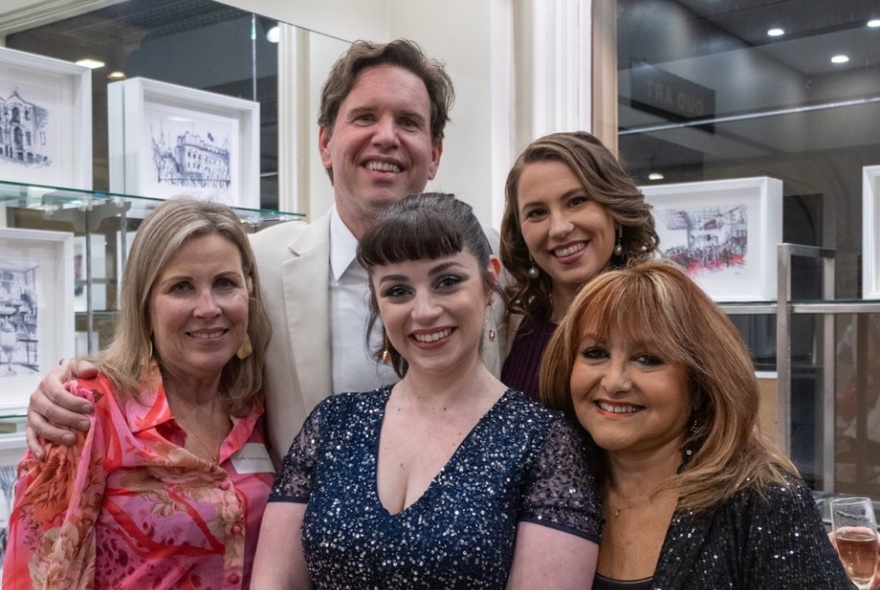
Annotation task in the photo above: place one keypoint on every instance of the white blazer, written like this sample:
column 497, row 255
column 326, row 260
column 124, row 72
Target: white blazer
column 293, row 261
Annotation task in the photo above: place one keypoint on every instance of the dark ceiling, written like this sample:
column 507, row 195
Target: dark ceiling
column 772, row 98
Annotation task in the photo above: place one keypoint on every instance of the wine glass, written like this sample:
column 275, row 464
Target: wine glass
column 855, row 532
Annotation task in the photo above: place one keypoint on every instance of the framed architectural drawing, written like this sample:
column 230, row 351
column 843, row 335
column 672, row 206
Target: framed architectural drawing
column 724, row 232
column 167, row 140
column 45, row 121
column 870, row 229
column 36, row 310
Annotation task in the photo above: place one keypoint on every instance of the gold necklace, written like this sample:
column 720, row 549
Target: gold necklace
column 211, row 452
column 638, row 502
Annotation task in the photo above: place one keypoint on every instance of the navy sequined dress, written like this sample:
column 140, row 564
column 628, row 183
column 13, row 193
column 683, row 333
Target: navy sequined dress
column 520, row 463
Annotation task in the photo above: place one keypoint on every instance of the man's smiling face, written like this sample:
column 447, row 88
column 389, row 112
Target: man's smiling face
column 380, row 148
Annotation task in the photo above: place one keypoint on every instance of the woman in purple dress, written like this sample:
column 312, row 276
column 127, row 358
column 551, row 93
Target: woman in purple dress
column 571, row 213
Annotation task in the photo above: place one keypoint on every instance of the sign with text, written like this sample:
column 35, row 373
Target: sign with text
column 667, row 95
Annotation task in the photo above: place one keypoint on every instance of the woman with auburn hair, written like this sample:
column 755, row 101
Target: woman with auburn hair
column 167, row 488
column 571, row 212
column 694, row 496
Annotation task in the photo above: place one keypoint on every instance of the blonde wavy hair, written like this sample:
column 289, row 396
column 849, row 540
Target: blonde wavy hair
column 128, row 361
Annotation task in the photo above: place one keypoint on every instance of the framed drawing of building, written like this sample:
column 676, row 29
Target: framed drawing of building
column 45, row 121
column 724, row 232
column 870, row 229
column 167, row 140
column 36, row 310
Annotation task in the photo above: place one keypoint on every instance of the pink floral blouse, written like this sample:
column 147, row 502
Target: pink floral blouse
column 129, row 507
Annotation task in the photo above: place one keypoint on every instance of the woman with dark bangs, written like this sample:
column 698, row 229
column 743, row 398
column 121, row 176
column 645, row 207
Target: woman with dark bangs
column 447, row 479
column 693, row 496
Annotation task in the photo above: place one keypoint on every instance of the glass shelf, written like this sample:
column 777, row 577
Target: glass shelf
column 61, row 263
column 53, row 200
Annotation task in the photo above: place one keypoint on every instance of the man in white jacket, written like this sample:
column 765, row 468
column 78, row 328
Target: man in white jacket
column 383, row 112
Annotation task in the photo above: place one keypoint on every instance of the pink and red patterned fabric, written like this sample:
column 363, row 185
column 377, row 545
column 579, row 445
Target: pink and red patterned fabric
column 129, row 507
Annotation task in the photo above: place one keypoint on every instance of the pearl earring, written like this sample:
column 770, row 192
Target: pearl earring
column 533, row 271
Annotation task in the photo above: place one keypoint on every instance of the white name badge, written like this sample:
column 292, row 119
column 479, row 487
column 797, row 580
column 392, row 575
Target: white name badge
column 253, row 458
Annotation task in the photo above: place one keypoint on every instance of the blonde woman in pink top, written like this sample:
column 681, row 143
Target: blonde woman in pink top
column 168, row 486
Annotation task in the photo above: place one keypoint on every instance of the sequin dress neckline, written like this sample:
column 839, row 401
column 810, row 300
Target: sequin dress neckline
column 452, row 459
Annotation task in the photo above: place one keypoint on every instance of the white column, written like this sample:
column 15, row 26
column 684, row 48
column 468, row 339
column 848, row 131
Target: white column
column 553, row 54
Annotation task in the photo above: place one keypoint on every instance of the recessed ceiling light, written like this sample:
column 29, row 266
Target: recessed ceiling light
column 655, row 176
column 117, row 75
column 840, row 59
column 874, row 23
column 90, row 63
column 776, row 32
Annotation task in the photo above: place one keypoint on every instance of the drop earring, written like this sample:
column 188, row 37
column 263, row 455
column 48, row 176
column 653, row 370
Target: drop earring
column 490, row 333
column 533, row 271
column 385, row 357
column 618, row 247
column 246, row 348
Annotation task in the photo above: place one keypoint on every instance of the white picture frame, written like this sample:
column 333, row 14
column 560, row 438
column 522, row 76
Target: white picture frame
column 166, row 140
column 739, row 224
column 46, row 133
column 870, row 229
column 36, row 310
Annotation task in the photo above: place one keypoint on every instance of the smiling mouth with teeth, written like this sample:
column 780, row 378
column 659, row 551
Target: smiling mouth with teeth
column 383, row 167
column 434, row 336
column 568, row 251
column 207, row 335
column 619, row 409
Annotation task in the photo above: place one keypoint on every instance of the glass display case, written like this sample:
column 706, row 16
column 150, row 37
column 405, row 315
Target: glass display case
column 61, row 257
column 823, row 405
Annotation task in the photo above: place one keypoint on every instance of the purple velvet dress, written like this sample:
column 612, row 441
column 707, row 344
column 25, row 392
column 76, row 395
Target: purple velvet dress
column 523, row 364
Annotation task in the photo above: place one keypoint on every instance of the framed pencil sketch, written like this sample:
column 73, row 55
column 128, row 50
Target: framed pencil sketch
column 724, row 232
column 870, row 229
column 166, row 140
column 45, row 121
column 36, row 310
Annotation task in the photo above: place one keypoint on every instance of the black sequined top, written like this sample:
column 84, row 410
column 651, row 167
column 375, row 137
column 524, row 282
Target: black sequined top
column 521, row 462
column 773, row 541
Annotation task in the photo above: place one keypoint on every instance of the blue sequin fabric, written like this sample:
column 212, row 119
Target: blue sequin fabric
column 521, row 462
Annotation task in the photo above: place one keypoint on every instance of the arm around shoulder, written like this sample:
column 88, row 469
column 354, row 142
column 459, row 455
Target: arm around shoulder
column 53, row 412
